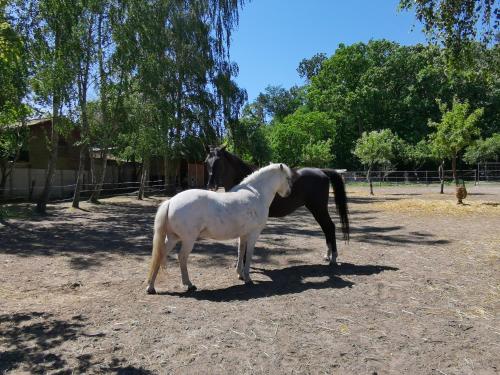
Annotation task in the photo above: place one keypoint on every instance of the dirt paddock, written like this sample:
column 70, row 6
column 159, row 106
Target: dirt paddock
column 417, row 291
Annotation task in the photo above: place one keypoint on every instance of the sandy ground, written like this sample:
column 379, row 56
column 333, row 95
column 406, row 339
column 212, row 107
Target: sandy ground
column 416, row 292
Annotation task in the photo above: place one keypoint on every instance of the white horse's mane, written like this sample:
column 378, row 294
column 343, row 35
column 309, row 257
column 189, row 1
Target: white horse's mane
column 259, row 172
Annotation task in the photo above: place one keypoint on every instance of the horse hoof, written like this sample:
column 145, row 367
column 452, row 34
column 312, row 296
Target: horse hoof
column 150, row 290
column 326, row 258
column 191, row 288
column 241, row 277
column 248, row 282
column 333, row 264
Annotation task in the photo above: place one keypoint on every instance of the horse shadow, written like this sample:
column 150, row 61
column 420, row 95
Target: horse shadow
column 289, row 280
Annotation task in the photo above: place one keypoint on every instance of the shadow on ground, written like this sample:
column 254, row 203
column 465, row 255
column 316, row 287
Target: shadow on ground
column 33, row 341
column 289, row 280
column 126, row 229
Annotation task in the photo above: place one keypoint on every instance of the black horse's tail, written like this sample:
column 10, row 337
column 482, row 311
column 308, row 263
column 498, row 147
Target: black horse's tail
column 340, row 199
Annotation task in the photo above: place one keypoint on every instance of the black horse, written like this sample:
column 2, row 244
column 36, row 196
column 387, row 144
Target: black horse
column 311, row 188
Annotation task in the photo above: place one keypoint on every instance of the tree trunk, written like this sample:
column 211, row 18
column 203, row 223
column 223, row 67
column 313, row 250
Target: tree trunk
column 6, row 167
column 43, row 198
column 454, row 169
column 144, row 177
column 3, row 179
column 83, row 150
column 369, row 178
column 99, row 180
column 82, row 83
column 166, row 172
column 441, row 175
column 79, row 178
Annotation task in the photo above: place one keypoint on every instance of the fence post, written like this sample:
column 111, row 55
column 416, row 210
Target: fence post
column 426, row 180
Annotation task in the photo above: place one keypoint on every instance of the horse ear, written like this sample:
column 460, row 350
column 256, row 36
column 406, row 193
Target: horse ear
column 208, row 148
column 281, row 166
column 223, row 147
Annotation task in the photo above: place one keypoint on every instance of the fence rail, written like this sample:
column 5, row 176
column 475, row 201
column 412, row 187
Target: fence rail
column 63, row 193
column 419, row 177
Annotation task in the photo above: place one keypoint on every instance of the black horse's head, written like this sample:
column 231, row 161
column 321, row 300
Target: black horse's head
column 215, row 163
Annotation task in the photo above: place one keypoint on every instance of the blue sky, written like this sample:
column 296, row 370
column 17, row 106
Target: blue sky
column 273, row 36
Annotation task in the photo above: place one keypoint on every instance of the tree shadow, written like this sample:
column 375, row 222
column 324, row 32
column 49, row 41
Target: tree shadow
column 372, row 199
column 29, row 338
column 289, row 280
column 404, row 194
column 118, row 229
column 34, row 340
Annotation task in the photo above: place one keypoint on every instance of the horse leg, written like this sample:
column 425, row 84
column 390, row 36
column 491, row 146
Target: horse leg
column 165, row 245
column 250, row 246
column 242, row 247
column 187, row 247
column 323, row 218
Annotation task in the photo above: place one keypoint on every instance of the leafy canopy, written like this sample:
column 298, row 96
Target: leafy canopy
column 455, row 23
column 456, row 130
column 483, row 150
column 289, row 137
column 377, row 147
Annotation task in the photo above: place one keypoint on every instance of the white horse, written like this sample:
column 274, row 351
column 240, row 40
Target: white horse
column 242, row 212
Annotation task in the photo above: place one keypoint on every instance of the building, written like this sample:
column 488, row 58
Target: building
column 28, row 177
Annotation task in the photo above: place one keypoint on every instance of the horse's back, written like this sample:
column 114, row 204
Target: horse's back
column 310, row 187
column 214, row 215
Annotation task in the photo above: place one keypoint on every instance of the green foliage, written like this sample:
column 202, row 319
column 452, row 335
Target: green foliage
column 308, row 68
column 277, row 103
column 456, row 130
column 454, row 23
column 252, row 143
column 365, row 87
column 419, row 153
column 289, row 137
column 13, row 72
column 377, row 148
column 142, row 137
column 483, row 150
column 318, row 155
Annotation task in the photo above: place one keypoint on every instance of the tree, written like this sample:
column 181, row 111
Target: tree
column 288, row 138
column 317, row 155
column 418, row 154
column 483, row 150
column 13, row 90
column 82, row 59
column 276, row 102
column 142, row 136
column 380, row 84
column 376, row 148
column 253, row 145
column 308, row 68
column 456, row 130
column 178, row 55
column 456, row 23
column 47, row 29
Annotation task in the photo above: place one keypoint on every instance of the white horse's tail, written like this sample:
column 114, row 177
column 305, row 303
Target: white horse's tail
column 158, row 258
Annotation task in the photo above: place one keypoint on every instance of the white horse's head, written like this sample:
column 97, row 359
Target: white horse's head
column 287, row 179
column 280, row 176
